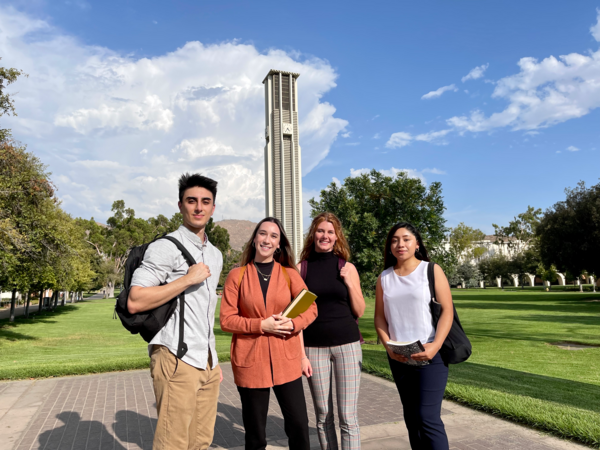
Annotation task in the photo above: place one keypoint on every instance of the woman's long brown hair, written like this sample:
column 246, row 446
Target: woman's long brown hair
column 285, row 257
column 341, row 249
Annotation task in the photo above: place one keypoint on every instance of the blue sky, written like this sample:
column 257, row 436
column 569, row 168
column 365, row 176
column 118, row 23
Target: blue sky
column 123, row 96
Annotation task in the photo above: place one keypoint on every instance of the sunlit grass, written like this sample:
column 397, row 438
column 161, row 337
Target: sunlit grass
column 75, row 339
column 514, row 372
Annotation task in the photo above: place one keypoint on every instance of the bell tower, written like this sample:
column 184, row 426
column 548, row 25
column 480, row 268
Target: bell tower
column 283, row 171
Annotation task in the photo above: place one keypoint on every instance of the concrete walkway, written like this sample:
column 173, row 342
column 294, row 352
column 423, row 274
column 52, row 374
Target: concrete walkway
column 117, row 411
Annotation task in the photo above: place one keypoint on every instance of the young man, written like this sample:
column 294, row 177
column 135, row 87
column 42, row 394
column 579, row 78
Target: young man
column 186, row 389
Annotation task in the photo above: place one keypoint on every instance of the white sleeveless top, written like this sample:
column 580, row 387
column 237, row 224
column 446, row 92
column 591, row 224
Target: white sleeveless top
column 406, row 305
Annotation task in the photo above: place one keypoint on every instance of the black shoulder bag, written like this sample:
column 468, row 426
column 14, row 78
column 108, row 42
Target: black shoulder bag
column 148, row 323
column 457, row 347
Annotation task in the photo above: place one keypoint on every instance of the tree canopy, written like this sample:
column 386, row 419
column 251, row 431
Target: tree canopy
column 463, row 239
column 7, row 106
column 519, row 234
column 569, row 232
column 370, row 204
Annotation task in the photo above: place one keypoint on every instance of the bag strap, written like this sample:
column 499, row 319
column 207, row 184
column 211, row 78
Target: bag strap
column 287, row 278
column 188, row 258
column 341, row 263
column 431, row 279
column 182, row 347
column 242, row 271
column 303, row 269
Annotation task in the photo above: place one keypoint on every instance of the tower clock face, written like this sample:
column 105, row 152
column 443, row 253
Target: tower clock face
column 287, row 128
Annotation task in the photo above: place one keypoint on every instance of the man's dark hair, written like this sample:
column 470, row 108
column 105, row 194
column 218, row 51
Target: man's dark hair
column 187, row 181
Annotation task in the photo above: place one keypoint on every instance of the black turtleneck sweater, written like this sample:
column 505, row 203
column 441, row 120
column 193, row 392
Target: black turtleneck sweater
column 335, row 324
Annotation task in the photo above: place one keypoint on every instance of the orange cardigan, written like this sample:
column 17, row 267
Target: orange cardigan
column 254, row 353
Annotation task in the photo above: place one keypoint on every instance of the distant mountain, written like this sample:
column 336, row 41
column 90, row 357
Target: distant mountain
column 239, row 231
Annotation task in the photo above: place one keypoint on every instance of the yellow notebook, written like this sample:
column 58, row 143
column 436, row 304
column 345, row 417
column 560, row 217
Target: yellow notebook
column 300, row 304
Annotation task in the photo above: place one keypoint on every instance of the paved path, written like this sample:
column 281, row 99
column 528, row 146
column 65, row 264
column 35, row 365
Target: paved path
column 116, row 411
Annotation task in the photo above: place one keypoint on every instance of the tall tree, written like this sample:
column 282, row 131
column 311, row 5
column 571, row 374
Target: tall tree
column 370, row 204
column 112, row 242
column 463, row 241
column 219, row 236
column 569, row 232
column 519, row 234
column 7, row 105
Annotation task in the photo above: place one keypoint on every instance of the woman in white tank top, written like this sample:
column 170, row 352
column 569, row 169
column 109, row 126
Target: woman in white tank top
column 402, row 313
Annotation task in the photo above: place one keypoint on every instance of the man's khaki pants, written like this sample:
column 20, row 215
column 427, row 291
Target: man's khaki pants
column 186, row 400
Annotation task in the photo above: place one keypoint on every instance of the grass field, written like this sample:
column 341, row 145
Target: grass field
column 75, row 339
column 513, row 371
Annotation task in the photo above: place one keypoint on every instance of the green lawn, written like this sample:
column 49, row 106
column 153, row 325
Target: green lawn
column 75, row 339
column 513, row 371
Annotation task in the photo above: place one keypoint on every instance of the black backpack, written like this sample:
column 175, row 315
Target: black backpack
column 457, row 347
column 149, row 323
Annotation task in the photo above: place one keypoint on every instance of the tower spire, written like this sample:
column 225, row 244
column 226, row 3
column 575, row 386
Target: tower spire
column 283, row 171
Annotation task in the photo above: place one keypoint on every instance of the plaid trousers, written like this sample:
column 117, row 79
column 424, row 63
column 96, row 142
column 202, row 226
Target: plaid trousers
column 344, row 362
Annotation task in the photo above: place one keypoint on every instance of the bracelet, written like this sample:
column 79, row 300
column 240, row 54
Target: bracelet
column 306, row 357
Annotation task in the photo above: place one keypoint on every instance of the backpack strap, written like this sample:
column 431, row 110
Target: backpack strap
column 287, row 278
column 303, row 269
column 182, row 347
column 431, row 279
column 341, row 264
column 242, row 271
column 188, row 258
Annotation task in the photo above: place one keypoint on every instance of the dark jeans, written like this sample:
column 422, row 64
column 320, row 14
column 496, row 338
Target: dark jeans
column 421, row 392
column 255, row 406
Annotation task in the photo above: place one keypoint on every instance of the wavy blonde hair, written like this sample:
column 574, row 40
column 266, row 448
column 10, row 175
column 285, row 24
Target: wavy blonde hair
column 340, row 248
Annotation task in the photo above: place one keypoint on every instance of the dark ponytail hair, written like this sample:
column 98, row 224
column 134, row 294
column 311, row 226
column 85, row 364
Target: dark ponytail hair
column 389, row 259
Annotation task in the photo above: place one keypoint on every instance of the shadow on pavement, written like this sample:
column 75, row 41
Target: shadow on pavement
column 78, row 434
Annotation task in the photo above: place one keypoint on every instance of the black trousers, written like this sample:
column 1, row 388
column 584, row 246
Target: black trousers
column 421, row 391
column 255, row 406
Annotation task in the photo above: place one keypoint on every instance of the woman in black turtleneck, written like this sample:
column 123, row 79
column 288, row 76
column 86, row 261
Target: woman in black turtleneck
column 332, row 341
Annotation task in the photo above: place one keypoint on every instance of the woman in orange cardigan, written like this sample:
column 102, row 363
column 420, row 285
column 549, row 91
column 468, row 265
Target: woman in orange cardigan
column 266, row 349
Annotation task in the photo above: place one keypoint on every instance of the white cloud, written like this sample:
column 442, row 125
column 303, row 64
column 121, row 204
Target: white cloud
column 572, row 148
column 192, row 149
column 434, row 171
column 595, row 29
column 376, row 136
column 352, row 144
column 475, row 73
column 432, row 135
column 347, row 134
column 392, row 172
column 542, row 94
column 438, row 92
column 402, row 138
column 146, row 114
column 399, row 139
column 87, row 110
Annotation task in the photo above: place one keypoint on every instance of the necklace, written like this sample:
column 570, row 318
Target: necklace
column 265, row 277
